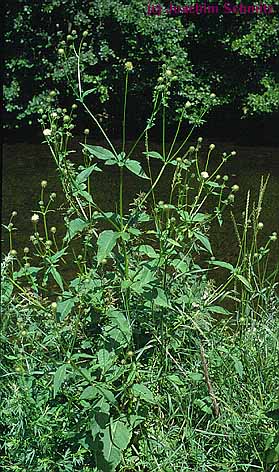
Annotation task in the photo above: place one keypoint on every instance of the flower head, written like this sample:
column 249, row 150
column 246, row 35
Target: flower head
column 128, row 66
column 35, row 218
column 47, row 132
column 204, row 175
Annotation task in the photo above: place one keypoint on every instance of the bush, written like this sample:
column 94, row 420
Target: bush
column 125, row 366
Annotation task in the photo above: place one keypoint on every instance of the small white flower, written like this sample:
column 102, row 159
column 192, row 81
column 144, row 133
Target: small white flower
column 47, row 132
column 204, row 175
column 35, row 218
column 188, row 104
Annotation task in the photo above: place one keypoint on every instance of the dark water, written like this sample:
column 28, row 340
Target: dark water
column 25, row 165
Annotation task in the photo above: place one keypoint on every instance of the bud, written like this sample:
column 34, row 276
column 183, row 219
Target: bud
column 48, row 244
column 160, row 79
column 231, row 197
column 53, row 229
column 204, row 175
column 26, row 250
column 188, row 104
column 52, row 93
column 61, row 52
column 86, row 131
column 74, row 106
column 43, row 183
column 14, row 213
column 273, row 237
column 226, row 178
column 211, row 147
column 52, row 196
column 54, row 307
column 13, row 252
column 212, row 95
column 54, row 115
column 218, row 177
column 233, row 153
column 69, row 37
column 192, row 148
column 235, row 188
column 260, row 225
column 85, row 33
column 66, row 118
column 168, row 73
column 200, row 139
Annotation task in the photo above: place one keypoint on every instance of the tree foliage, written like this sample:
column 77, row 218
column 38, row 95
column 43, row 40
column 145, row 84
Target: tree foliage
column 233, row 56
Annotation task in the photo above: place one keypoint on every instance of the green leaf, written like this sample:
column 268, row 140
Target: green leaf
column 244, row 281
column 148, row 251
column 105, row 359
column 65, row 307
column 136, row 168
column 112, row 454
column 161, row 299
column 120, row 434
column 238, row 367
column 154, row 154
column 106, row 242
column 218, row 309
column 6, row 290
column 225, row 265
column 204, row 240
column 173, row 378
column 100, row 152
column 59, row 378
column 57, row 277
column 89, row 393
column 75, row 227
column 86, row 173
column 142, row 279
column 141, row 391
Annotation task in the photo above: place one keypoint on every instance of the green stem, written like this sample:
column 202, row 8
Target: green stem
column 124, row 113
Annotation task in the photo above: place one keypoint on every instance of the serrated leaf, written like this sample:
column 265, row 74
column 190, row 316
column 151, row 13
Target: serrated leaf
column 136, row 168
column 59, row 378
column 106, row 242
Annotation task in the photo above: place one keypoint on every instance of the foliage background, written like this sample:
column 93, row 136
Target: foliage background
column 233, row 56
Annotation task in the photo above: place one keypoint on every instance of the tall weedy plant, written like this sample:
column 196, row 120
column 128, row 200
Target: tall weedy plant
column 142, row 296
